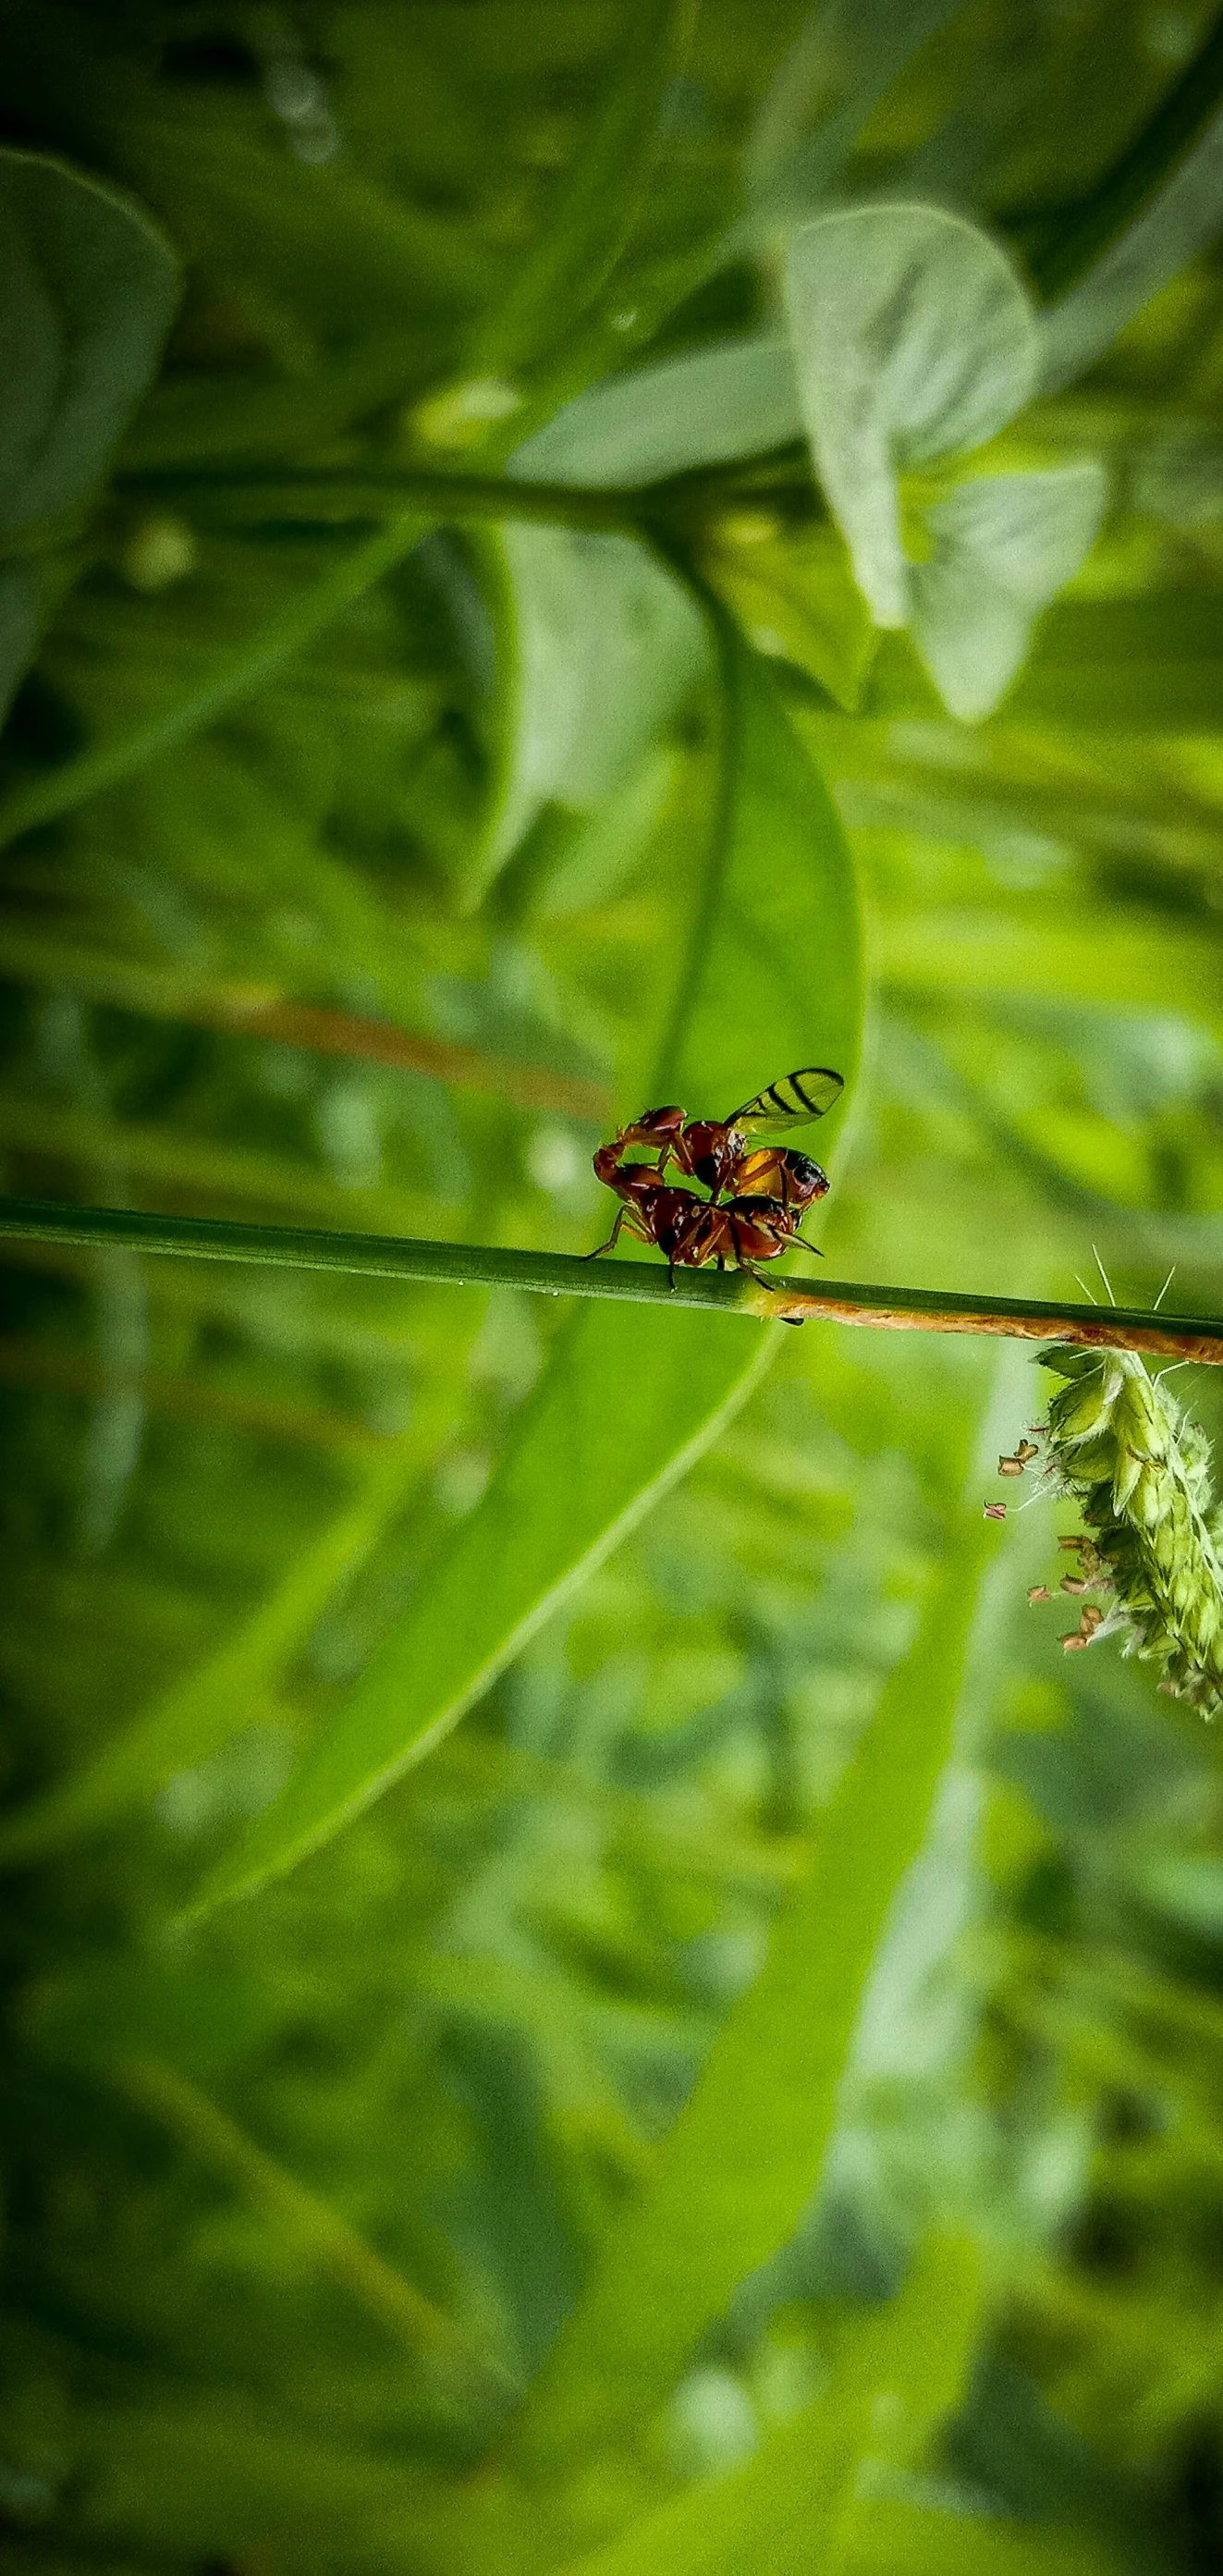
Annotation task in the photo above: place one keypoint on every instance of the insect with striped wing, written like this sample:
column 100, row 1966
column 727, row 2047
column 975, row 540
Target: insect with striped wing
column 720, row 1152
column 758, row 1193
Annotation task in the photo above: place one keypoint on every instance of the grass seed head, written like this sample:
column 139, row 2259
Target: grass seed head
column 1121, row 1447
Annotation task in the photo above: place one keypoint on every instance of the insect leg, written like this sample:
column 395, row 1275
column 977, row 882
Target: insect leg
column 774, row 1286
column 612, row 1240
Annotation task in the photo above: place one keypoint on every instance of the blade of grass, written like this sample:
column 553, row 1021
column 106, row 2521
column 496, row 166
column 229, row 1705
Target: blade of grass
column 741, row 2162
column 1176, row 124
column 1122, row 960
column 627, row 1402
column 326, row 2240
column 600, row 200
column 211, row 1704
column 236, row 676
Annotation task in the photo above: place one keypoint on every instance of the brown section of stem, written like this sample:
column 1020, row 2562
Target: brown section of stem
column 1112, row 1329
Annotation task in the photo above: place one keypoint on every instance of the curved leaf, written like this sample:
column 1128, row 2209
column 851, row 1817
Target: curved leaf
column 600, row 646
column 88, row 288
column 628, row 1401
column 1003, row 547
column 913, row 338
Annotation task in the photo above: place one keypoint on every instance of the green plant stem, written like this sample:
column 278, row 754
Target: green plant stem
column 1134, row 179
column 257, row 492
column 308, row 491
column 557, row 1274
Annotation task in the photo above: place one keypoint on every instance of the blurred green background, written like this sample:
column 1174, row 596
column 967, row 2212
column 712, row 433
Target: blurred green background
column 300, row 2192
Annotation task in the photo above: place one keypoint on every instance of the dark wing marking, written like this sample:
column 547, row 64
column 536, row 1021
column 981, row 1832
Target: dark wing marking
column 793, row 1100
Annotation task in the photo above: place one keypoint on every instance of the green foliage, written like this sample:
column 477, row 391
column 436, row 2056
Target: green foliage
column 747, row 2095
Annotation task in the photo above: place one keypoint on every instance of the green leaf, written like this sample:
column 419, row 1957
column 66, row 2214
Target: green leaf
column 913, row 338
column 627, row 1402
column 1004, row 545
column 234, row 677
column 706, row 407
column 741, row 2162
column 88, row 288
column 598, row 645
column 87, row 292
column 792, row 2505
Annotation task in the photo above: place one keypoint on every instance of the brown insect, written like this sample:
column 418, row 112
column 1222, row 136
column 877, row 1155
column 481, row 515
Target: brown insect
column 769, row 1186
column 718, row 1151
column 691, row 1230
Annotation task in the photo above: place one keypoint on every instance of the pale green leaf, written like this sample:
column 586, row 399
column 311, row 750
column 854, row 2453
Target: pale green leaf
column 913, row 338
column 741, row 2162
column 706, row 407
column 597, row 645
column 88, row 287
column 1004, row 545
column 794, row 594
column 773, row 972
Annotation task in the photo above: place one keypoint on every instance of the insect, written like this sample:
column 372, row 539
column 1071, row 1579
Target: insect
column 719, row 1153
column 691, row 1230
column 758, row 1193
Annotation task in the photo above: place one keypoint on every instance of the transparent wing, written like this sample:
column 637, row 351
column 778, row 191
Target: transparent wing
column 792, row 1101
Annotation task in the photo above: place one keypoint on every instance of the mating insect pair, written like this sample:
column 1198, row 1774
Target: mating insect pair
column 759, row 1194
